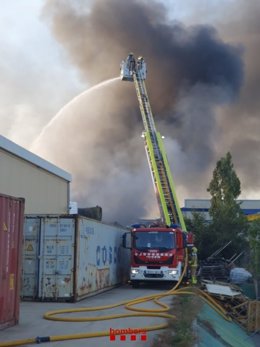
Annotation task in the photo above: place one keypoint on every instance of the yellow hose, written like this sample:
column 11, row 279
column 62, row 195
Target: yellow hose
column 140, row 312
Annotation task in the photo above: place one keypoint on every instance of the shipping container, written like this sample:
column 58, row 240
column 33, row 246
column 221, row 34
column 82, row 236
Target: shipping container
column 101, row 261
column 71, row 257
column 11, row 232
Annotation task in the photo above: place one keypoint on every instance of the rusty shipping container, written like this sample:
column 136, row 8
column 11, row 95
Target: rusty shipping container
column 71, row 257
column 11, row 231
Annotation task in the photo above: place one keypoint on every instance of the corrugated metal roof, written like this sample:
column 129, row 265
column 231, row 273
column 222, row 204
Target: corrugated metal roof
column 200, row 210
column 34, row 159
column 214, row 331
column 205, row 204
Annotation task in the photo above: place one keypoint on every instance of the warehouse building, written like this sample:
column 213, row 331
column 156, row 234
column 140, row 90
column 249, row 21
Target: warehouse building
column 45, row 187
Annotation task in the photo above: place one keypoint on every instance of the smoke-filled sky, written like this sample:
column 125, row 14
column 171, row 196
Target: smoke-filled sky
column 203, row 83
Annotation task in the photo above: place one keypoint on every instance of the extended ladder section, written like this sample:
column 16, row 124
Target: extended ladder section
column 135, row 71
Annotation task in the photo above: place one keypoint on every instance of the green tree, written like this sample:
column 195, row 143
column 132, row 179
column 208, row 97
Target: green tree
column 254, row 244
column 228, row 220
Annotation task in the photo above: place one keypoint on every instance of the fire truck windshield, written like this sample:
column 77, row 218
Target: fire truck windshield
column 163, row 241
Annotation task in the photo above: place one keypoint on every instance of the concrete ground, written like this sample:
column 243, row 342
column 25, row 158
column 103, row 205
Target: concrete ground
column 32, row 324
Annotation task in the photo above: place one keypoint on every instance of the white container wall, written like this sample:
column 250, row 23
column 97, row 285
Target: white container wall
column 70, row 257
column 101, row 260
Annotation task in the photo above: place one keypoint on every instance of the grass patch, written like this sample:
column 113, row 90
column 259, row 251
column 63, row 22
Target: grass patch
column 180, row 331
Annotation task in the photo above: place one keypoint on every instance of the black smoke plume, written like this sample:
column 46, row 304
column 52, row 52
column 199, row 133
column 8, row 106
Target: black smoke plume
column 192, row 74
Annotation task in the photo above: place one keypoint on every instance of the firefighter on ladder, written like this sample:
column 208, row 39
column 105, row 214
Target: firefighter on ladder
column 194, row 264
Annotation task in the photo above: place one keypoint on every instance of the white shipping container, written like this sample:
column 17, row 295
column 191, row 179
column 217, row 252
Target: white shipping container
column 71, row 257
column 101, row 260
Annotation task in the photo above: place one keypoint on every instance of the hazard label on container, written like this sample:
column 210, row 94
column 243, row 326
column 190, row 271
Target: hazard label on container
column 29, row 248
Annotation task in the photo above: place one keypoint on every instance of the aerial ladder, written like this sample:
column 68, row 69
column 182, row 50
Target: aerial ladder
column 134, row 70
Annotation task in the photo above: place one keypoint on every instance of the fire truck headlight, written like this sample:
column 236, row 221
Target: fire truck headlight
column 173, row 272
column 134, row 271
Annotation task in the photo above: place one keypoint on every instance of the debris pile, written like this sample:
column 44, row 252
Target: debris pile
column 215, row 268
column 239, row 307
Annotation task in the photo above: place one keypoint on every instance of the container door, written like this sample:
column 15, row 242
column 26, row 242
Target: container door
column 30, row 271
column 57, row 258
column 11, row 228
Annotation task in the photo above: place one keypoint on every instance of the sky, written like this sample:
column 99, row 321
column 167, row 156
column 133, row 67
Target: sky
column 203, row 83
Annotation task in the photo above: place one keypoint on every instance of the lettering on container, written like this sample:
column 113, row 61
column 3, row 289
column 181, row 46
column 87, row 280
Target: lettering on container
column 50, row 249
column 64, row 228
column 104, row 255
column 89, row 230
column 107, row 255
column 110, row 255
column 98, row 255
column 57, row 266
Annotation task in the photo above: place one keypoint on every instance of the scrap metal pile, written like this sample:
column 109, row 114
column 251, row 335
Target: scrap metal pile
column 217, row 268
column 219, row 277
column 214, row 269
column 239, row 307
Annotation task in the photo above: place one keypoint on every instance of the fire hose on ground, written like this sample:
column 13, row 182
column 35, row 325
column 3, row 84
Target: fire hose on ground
column 129, row 305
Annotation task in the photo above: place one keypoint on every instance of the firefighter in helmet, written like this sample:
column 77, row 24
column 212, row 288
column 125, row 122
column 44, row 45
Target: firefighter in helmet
column 194, row 264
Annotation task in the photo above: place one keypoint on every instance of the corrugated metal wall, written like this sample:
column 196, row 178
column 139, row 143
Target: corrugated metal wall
column 70, row 257
column 44, row 192
column 11, row 231
column 101, row 260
